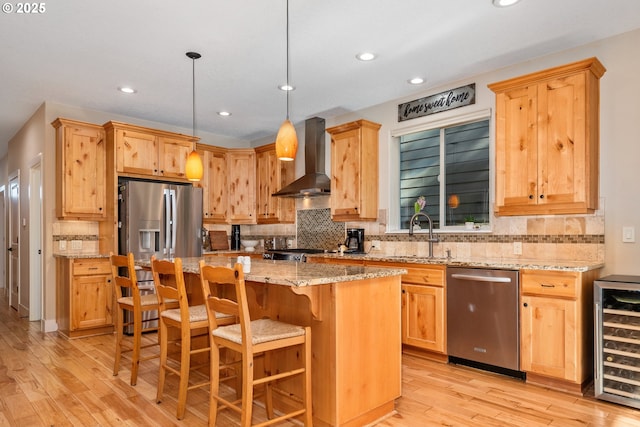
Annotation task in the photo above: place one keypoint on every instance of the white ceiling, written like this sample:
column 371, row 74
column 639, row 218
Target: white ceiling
column 78, row 52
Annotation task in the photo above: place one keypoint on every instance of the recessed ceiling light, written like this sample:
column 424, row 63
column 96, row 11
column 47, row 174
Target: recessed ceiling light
column 366, row 56
column 224, row 113
column 416, row 81
column 286, row 87
column 504, row 3
column 126, row 89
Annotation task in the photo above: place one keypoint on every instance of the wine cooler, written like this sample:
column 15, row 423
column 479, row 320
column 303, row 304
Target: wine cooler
column 617, row 339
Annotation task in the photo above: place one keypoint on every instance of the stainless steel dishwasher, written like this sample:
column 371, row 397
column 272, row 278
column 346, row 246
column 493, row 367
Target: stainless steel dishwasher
column 482, row 319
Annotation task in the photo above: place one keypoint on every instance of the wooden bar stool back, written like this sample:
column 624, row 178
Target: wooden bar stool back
column 129, row 300
column 189, row 321
column 250, row 338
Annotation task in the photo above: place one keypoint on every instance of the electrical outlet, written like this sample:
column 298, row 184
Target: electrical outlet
column 375, row 244
column 62, row 245
column 517, row 248
column 76, row 245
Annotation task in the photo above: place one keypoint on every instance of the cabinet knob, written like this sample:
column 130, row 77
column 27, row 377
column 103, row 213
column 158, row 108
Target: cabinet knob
column 530, row 196
column 525, row 304
column 542, row 196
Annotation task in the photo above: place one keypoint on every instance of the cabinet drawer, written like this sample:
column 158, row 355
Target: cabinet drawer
column 554, row 284
column 417, row 274
column 90, row 266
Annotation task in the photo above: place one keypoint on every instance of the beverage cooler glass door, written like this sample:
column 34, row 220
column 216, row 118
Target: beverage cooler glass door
column 617, row 339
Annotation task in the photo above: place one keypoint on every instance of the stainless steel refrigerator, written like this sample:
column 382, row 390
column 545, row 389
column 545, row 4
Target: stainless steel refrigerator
column 161, row 219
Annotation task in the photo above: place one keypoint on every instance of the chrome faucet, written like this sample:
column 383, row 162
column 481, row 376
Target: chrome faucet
column 432, row 239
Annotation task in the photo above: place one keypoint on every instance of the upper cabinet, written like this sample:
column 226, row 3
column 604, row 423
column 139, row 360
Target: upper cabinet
column 241, row 173
column 354, row 171
column 148, row 152
column 81, row 170
column 271, row 175
column 547, row 141
column 214, row 184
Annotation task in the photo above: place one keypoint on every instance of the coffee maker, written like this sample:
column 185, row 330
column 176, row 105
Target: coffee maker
column 355, row 240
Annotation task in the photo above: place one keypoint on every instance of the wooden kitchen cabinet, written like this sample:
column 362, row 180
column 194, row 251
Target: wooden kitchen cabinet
column 84, row 300
column 214, row 184
column 354, row 171
column 271, row 175
column 241, row 172
column 80, row 170
column 556, row 327
column 145, row 152
column 547, row 141
column 423, row 306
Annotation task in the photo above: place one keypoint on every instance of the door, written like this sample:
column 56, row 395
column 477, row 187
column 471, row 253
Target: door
column 423, row 317
column 549, row 323
column 186, row 221
column 3, row 242
column 14, row 238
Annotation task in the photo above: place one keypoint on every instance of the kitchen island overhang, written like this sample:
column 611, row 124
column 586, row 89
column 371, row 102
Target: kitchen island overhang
column 355, row 318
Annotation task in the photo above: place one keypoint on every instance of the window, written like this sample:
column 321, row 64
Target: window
column 449, row 165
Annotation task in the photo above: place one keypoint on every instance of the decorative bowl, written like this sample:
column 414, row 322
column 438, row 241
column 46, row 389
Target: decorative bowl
column 249, row 245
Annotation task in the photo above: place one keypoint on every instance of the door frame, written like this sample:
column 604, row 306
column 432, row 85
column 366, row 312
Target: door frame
column 35, row 240
column 15, row 176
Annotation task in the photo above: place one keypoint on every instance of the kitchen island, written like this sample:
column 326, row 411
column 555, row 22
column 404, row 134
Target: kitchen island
column 354, row 314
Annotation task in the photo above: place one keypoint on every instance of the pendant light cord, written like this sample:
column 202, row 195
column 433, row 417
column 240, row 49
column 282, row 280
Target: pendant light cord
column 288, row 85
column 193, row 98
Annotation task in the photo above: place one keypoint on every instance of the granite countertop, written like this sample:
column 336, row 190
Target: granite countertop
column 501, row 263
column 80, row 256
column 291, row 273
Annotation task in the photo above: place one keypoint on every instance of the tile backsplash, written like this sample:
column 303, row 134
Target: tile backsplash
column 316, row 230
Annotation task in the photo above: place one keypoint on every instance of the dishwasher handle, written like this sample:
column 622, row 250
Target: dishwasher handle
column 472, row 277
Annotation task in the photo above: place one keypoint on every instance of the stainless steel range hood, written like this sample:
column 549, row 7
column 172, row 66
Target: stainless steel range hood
column 314, row 182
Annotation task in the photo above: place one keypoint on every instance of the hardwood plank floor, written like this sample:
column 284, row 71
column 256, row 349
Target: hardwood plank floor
column 46, row 380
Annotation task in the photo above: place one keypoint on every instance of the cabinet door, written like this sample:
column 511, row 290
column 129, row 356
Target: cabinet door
column 91, row 301
column 136, row 152
column 83, row 173
column 345, row 178
column 215, row 179
column 242, row 186
column 548, row 337
column 423, row 317
column 172, row 156
column 562, row 158
column 516, row 148
column 266, row 184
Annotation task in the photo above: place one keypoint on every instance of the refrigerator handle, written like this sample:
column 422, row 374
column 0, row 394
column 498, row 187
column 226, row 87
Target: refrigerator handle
column 167, row 223
column 174, row 223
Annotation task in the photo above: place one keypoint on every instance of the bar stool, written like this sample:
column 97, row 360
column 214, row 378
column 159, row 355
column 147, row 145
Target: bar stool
column 129, row 300
column 250, row 338
column 189, row 321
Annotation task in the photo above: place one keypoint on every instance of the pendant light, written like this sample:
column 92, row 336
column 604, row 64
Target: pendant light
column 194, row 167
column 287, row 140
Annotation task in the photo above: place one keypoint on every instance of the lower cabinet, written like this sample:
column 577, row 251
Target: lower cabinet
column 84, row 300
column 423, row 306
column 556, row 327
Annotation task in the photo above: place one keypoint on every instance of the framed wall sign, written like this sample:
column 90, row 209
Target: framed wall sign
column 443, row 101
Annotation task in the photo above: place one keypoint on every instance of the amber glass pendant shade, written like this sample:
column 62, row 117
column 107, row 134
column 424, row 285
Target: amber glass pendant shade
column 287, row 142
column 194, row 168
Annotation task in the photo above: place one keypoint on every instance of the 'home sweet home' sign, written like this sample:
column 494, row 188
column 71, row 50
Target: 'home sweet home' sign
column 443, row 101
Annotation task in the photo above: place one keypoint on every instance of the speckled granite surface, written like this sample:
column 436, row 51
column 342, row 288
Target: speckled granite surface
column 502, row 263
column 292, row 273
column 314, row 272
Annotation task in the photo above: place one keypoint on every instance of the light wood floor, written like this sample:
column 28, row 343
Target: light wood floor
column 49, row 381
